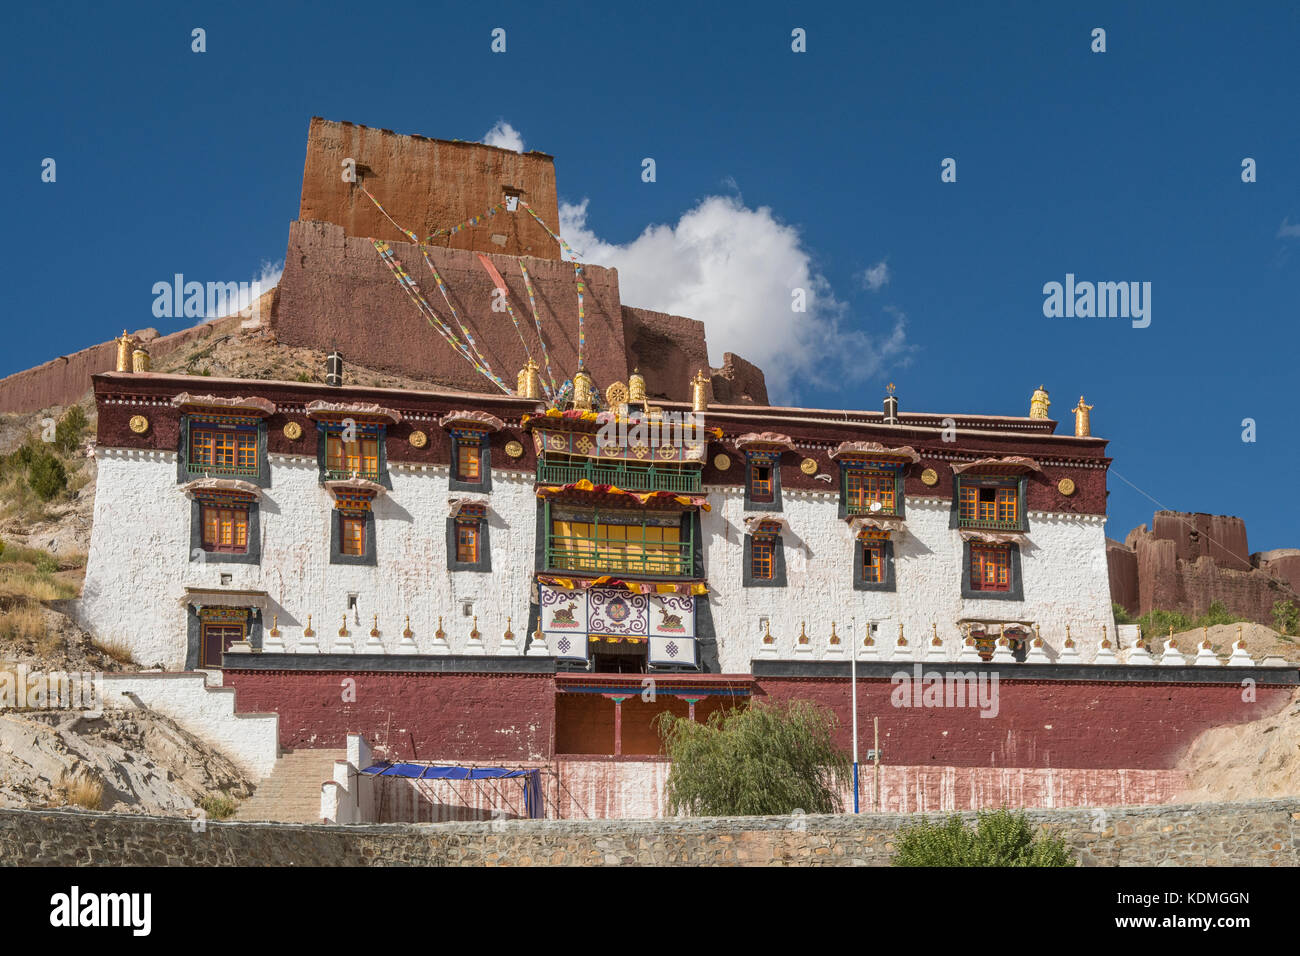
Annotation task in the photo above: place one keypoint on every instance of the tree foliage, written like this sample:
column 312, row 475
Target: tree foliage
column 1286, row 617
column 1000, row 838
column 762, row 760
column 46, row 475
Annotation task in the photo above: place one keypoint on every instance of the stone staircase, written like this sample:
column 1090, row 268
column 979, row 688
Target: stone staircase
column 291, row 794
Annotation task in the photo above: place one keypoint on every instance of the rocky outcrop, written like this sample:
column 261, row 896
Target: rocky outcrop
column 1188, row 561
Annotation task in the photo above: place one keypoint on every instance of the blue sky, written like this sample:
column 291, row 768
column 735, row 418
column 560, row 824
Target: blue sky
column 1115, row 166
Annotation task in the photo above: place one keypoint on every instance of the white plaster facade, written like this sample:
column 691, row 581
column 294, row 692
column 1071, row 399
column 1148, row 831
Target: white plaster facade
column 140, row 564
column 1063, row 564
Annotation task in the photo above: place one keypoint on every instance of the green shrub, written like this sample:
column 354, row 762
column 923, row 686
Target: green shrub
column 218, row 806
column 1000, row 838
column 67, row 433
column 46, row 475
column 1121, row 613
column 1286, row 617
column 762, row 760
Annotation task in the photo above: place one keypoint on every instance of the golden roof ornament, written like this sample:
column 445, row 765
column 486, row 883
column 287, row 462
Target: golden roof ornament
column 803, row 638
column 616, row 397
column 699, row 392
column 934, row 629
column 308, row 632
column 406, row 631
column 440, row 634
column 902, row 641
column 767, row 633
column 124, row 352
column 636, row 386
column 583, row 390
column 1039, row 403
column 835, row 638
column 140, row 358
column 529, row 381
column 1082, row 424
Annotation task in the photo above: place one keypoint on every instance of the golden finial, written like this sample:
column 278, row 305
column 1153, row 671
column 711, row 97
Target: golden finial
column 509, row 635
column 1140, row 641
column 902, row 641
column 1038, row 639
column 699, row 392
column 835, row 638
column 583, row 390
column 636, row 386
column 767, row 632
column 1205, row 633
column 275, row 625
column 124, row 353
column 440, row 634
column 1241, row 641
column 407, row 632
column 309, row 632
column 1039, row 403
column 374, row 627
column 1069, row 641
column 1082, row 424
column 343, row 631
column 474, row 635
column 803, row 638
column 934, row 629
column 1105, row 641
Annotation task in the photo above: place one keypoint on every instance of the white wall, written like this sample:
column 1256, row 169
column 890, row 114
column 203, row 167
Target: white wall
column 139, row 563
column 1063, row 562
column 139, row 566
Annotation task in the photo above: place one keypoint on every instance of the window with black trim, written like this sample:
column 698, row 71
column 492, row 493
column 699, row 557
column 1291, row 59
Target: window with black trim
column 352, row 532
column 344, row 458
column 471, row 467
column 868, row 490
column 225, row 527
column 873, row 562
column 467, row 540
column 763, row 481
column 996, row 504
column 764, row 557
column 992, row 571
column 222, row 446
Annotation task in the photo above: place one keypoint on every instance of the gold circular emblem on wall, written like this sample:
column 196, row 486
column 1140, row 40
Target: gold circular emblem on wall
column 1065, row 486
column 930, row 477
column 418, row 439
column 292, row 431
column 808, row 466
column 722, row 462
column 514, row 449
column 616, row 395
column 139, row 424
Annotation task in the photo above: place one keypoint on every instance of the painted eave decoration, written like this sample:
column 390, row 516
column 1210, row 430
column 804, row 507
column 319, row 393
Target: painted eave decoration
column 1010, row 465
column 765, row 441
column 875, row 451
column 860, row 524
column 258, row 407
column 456, row 505
column 764, row 523
column 635, row 587
column 367, row 412
column 214, row 597
column 353, row 488
column 991, row 537
column 223, row 488
column 646, row 497
column 472, row 419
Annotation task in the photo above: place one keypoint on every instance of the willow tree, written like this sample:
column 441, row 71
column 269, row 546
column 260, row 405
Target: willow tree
column 762, row 760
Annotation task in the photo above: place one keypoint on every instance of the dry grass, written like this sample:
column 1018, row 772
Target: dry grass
column 81, row 789
column 23, row 621
column 114, row 647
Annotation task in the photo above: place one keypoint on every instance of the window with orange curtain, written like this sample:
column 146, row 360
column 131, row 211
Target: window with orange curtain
column 225, row 528
column 345, row 457
column 353, row 536
column 990, row 568
column 468, row 463
column 222, row 450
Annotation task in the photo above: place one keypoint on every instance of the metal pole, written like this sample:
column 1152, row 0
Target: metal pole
column 876, row 723
column 853, row 680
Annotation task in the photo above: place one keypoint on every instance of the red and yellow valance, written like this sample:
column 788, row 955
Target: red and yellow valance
column 641, row 497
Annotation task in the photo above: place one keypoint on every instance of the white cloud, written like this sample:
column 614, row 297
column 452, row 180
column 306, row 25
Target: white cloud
column 1288, row 229
column 735, row 269
column 224, row 299
column 505, row 136
column 876, row 277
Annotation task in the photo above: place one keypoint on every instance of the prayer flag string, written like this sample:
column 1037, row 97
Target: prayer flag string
column 537, row 319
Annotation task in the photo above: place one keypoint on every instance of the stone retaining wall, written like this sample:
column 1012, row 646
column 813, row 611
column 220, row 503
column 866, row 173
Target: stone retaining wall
column 1265, row 832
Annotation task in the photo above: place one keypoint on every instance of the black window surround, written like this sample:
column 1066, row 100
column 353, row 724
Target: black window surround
column 253, row 554
column 325, row 429
column 484, row 562
column 194, row 634
column 897, row 474
column 461, row 440
column 184, row 472
column 1020, row 483
column 777, row 580
column 860, row 583
column 773, row 463
column 370, row 558
column 1015, row 583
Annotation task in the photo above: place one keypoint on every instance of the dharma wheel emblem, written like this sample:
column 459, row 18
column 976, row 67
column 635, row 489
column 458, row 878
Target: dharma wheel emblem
column 292, row 431
column 139, row 424
column 722, row 462
column 930, row 477
column 514, row 449
column 418, row 439
column 808, row 466
column 1065, row 486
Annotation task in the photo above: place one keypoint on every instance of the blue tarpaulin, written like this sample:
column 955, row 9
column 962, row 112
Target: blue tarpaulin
column 419, row 771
